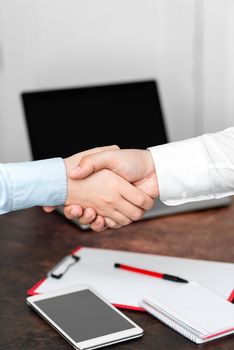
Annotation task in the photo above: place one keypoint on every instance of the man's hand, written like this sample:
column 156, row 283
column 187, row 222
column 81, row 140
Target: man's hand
column 71, row 163
column 110, row 195
column 135, row 166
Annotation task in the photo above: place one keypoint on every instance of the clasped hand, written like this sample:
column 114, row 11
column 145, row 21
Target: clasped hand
column 109, row 187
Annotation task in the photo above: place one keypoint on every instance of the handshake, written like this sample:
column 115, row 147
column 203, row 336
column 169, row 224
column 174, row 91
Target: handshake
column 108, row 187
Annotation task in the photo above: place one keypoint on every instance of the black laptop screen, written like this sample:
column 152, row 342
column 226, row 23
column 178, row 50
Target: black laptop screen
column 64, row 122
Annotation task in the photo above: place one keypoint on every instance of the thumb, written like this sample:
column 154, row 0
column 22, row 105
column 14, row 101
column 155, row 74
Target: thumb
column 48, row 209
column 92, row 163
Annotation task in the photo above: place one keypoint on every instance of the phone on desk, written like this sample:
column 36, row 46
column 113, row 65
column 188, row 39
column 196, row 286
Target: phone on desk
column 84, row 318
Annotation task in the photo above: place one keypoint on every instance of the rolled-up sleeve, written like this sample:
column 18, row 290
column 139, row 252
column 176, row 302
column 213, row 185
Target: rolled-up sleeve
column 195, row 169
column 27, row 184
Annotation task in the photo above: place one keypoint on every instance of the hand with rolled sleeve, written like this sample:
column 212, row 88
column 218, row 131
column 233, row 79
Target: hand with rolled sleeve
column 195, row 169
column 45, row 182
column 37, row 183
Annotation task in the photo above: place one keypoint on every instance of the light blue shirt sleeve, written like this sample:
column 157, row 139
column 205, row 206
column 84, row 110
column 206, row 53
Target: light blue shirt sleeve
column 28, row 184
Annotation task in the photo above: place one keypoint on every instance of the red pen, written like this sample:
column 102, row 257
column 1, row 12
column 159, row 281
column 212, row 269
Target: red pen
column 150, row 273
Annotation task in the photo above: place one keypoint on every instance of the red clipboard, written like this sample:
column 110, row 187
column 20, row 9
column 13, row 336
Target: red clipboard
column 124, row 289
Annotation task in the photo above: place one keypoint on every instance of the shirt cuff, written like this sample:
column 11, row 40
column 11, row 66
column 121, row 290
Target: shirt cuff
column 39, row 183
column 182, row 171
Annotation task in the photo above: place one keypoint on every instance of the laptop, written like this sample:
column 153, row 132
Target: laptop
column 61, row 122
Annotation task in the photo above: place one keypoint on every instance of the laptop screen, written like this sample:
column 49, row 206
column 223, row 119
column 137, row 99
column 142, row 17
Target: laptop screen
column 62, row 122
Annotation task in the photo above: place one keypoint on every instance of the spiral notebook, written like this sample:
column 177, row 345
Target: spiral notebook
column 193, row 311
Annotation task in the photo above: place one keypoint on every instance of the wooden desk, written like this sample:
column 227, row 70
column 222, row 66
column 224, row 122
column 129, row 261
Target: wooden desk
column 31, row 242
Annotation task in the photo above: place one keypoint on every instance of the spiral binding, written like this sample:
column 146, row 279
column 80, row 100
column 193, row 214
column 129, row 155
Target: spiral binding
column 172, row 322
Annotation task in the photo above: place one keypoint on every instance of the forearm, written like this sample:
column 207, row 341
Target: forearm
column 196, row 169
column 23, row 185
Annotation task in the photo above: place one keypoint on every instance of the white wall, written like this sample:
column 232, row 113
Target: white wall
column 187, row 45
column 218, row 69
column 63, row 43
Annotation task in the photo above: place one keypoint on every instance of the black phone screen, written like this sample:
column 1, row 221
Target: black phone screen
column 82, row 315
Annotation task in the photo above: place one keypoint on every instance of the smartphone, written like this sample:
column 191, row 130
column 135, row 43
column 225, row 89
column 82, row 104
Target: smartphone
column 84, row 318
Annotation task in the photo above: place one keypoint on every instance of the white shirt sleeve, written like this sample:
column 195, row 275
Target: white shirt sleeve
column 23, row 185
column 195, row 169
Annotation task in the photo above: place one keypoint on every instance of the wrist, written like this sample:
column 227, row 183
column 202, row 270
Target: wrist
column 70, row 163
column 152, row 170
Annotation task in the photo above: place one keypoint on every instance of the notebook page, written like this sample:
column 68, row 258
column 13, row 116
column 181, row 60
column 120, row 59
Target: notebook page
column 197, row 307
column 172, row 322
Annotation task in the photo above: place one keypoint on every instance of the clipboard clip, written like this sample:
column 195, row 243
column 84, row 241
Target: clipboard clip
column 63, row 266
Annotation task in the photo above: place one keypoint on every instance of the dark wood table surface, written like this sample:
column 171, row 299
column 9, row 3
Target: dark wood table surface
column 31, row 242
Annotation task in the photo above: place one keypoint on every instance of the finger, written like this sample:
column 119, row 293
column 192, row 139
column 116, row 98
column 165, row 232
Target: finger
column 136, row 196
column 48, row 209
column 111, row 223
column 131, row 212
column 74, row 160
column 99, row 224
column 73, row 211
column 121, row 210
column 103, row 148
column 92, row 163
column 89, row 215
column 117, row 215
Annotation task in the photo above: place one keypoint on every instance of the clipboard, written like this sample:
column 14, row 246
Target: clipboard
column 95, row 267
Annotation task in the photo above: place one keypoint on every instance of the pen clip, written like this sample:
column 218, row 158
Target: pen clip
column 63, row 266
